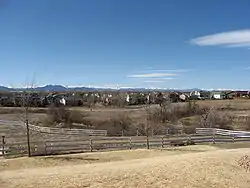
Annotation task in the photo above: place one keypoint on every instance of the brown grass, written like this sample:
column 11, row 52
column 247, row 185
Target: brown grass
column 216, row 168
column 96, row 157
column 100, row 117
column 235, row 104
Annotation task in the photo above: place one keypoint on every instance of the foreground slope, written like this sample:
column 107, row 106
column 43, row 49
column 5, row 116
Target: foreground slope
column 217, row 168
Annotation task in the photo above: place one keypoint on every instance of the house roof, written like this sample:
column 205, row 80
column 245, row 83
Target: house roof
column 242, row 92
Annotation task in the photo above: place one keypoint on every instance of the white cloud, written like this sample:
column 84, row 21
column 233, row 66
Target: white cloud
column 240, row 38
column 153, row 81
column 151, row 75
column 159, row 80
column 167, row 78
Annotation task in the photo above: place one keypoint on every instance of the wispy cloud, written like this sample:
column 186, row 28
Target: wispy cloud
column 153, row 81
column 151, row 75
column 167, row 78
column 240, row 38
column 159, row 80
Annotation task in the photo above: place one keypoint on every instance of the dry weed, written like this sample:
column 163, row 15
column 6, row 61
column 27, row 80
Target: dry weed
column 244, row 162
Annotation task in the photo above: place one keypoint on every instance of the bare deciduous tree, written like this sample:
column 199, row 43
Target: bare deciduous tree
column 205, row 117
column 26, row 101
column 212, row 118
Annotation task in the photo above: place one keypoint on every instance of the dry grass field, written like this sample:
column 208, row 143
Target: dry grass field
column 134, row 117
column 236, row 106
column 193, row 166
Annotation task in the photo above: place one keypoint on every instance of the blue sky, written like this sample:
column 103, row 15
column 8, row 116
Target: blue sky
column 126, row 43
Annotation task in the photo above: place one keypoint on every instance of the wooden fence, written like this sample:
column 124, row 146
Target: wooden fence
column 63, row 146
column 88, row 132
column 49, row 130
column 224, row 132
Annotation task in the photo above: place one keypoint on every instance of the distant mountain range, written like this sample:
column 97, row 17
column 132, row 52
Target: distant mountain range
column 60, row 88
column 50, row 88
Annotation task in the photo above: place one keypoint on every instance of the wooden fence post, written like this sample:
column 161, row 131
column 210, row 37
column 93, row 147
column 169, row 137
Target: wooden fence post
column 130, row 143
column 3, row 145
column 91, row 145
column 189, row 139
column 45, row 147
column 147, row 142
column 213, row 138
column 162, row 142
column 35, row 148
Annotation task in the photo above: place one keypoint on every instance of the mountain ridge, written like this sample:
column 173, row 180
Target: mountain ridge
column 61, row 88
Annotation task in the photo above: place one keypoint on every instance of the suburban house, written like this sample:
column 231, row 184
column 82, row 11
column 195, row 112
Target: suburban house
column 242, row 94
column 205, row 95
column 195, row 95
column 217, row 95
column 229, row 94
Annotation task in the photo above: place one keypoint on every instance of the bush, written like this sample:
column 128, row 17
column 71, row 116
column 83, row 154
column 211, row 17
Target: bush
column 215, row 119
column 119, row 124
column 66, row 117
column 246, row 124
column 173, row 113
column 115, row 126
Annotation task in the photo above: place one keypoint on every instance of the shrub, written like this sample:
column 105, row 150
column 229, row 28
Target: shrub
column 116, row 125
column 246, row 124
column 64, row 116
column 173, row 113
column 214, row 119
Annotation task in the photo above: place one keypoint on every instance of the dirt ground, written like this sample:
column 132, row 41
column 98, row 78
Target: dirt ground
column 194, row 166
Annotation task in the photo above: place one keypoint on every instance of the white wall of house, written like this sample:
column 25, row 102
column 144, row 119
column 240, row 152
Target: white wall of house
column 128, row 98
column 63, row 101
column 217, row 96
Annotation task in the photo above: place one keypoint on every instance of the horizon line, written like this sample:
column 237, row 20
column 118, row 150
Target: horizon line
column 124, row 87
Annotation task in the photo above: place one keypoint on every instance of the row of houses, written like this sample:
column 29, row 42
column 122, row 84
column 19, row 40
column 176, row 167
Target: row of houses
column 43, row 99
column 204, row 95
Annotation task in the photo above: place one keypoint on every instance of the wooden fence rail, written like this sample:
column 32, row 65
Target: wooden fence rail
column 224, row 132
column 50, row 147
column 50, row 130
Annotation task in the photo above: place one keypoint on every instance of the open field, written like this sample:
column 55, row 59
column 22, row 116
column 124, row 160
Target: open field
column 192, row 166
column 134, row 116
column 96, row 114
column 231, row 105
column 236, row 106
